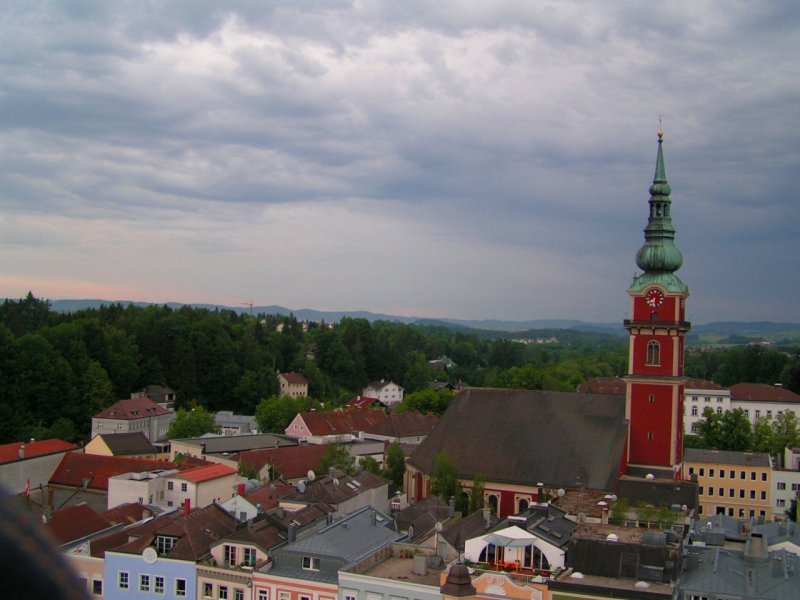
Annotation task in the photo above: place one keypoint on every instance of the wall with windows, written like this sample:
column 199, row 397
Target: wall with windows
column 223, row 584
column 697, row 400
column 739, row 491
column 266, row 587
column 129, row 576
column 785, row 485
column 354, row 586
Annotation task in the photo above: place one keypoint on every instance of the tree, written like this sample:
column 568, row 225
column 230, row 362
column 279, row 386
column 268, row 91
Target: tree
column 426, row 401
column 709, row 428
column 762, row 435
column 337, row 456
column 736, row 431
column 444, row 480
column 276, row 412
column 476, row 494
column 784, row 433
column 192, row 423
column 370, row 464
column 395, row 465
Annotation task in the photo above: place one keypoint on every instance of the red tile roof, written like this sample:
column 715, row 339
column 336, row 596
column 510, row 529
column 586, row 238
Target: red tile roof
column 294, row 378
column 604, row 385
column 762, row 392
column 201, row 474
column 702, row 384
column 131, row 409
column 341, row 422
column 10, row 452
column 75, row 522
column 75, row 467
column 131, row 512
column 292, row 462
column 269, row 495
column 361, row 402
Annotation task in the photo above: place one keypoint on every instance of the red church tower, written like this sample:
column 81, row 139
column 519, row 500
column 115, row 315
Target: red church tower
column 655, row 380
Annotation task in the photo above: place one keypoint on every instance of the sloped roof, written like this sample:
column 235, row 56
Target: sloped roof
column 702, row 384
column 75, row 467
column 762, row 392
column 10, row 452
column 379, row 385
column 132, row 409
column 292, row 461
column 207, row 473
column 195, row 532
column 334, row 489
column 130, row 512
column 342, row 422
column 294, row 378
column 553, row 437
column 121, row 444
column 727, row 457
column 75, row 522
column 405, row 424
column 604, row 385
column 260, row 532
column 459, row 531
column 422, row 516
column 268, row 496
column 362, row 402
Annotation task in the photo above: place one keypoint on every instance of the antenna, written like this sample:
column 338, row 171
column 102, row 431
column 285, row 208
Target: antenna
column 250, row 305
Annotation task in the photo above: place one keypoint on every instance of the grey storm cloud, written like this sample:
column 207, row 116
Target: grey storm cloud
column 462, row 159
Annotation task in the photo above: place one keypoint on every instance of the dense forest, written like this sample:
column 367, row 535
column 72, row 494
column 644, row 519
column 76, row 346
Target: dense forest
column 58, row 369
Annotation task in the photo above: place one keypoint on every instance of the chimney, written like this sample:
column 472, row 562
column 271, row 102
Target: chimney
column 187, row 507
column 21, row 451
column 487, row 516
column 240, row 489
column 451, row 507
column 259, row 509
column 292, row 532
column 374, row 519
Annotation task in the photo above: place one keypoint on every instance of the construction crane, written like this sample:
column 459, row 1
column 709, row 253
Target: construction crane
column 250, row 304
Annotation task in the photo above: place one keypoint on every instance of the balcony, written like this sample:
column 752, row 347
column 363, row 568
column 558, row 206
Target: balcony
column 657, row 324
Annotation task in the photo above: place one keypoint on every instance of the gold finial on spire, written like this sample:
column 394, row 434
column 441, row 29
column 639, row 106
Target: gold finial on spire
column 660, row 130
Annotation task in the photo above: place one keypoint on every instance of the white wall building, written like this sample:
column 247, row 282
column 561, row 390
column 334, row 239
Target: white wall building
column 387, row 392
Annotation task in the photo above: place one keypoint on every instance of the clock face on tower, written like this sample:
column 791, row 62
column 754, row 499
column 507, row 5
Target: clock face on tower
column 654, row 298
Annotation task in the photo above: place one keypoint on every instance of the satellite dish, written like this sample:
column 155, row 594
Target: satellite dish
column 311, row 475
column 561, row 492
column 438, row 525
column 649, row 476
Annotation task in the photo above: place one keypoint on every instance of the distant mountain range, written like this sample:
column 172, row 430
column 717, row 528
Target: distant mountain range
column 722, row 328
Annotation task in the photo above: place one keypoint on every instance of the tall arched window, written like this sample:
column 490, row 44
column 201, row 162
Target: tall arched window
column 653, row 353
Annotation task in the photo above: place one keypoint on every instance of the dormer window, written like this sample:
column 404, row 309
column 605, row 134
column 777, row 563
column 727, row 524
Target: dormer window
column 164, row 544
column 311, row 563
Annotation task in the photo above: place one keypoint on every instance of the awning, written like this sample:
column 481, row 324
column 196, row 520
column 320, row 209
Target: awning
column 508, row 542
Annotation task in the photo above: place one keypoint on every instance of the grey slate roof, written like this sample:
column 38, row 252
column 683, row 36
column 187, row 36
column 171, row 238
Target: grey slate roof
column 719, row 573
column 342, row 543
column 122, row 444
column 727, row 457
column 526, row 437
column 242, row 443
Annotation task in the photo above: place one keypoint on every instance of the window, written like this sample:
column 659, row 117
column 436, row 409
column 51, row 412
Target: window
column 284, row 596
column 653, row 353
column 122, row 580
column 741, row 513
column 222, row 592
column 250, row 556
column 732, row 474
column 649, row 435
column 742, row 475
column 781, row 502
column 706, row 399
column 721, row 492
column 702, row 472
column 753, row 475
column 208, row 590
column 694, row 427
column 691, row 470
column 144, row 583
column 164, row 544
column 350, row 595
column 184, row 487
column 758, row 413
column 763, row 495
column 747, row 412
column 752, row 494
column 719, row 400
column 752, row 513
column 764, row 476
column 159, row 584
column 694, row 411
column 741, row 493
column 305, row 597
column 781, row 485
column 719, row 410
column 230, row 556
column 731, row 493
column 711, row 472
column 170, row 485
column 97, row 587
column 722, row 473
column 263, row 594
column 311, row 563
column 700, row 490
column 180, row 588
column 238, row 594
column 652, row 398
column 794, row 487
column 710, row 491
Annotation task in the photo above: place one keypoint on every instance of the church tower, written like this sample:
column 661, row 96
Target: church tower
column 655, row 380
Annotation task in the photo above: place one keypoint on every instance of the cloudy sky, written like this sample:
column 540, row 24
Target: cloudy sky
column 456, row 159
